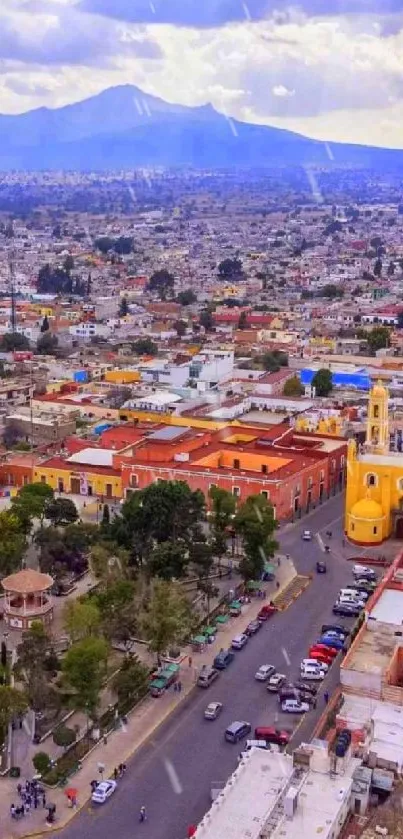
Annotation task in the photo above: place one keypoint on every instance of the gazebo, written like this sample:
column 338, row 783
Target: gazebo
column 27, row 598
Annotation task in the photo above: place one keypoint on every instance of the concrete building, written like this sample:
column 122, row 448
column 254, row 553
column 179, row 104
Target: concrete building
column 43, row 426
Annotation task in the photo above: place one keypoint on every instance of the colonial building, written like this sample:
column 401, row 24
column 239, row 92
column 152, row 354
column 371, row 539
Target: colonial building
column 374, row 498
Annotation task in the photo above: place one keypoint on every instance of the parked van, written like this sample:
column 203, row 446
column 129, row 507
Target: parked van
column 237, row 730
column 207, row 677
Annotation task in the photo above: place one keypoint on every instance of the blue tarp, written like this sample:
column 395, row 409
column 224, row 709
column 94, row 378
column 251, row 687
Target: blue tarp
column 358, row 381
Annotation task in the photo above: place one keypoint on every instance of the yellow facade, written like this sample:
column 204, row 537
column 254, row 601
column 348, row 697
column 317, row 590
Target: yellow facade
column 122, row 377
column 374, row 497
column 109, row 486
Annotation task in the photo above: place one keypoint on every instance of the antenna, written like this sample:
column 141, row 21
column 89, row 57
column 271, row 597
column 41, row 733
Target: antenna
column 12, row 291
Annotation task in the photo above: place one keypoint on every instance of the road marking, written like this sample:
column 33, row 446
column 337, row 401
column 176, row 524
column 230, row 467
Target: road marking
column 173, row 777
column 320, row 541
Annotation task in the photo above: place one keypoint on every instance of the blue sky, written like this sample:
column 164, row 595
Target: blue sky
column 331, row 69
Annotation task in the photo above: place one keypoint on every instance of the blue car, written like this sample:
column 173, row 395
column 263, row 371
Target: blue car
column 336, row 643
column 223, row 659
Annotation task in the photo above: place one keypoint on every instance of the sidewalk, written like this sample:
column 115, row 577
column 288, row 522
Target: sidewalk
column 141, row 725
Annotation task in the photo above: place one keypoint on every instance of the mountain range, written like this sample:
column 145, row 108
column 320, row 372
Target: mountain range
column 124, row 128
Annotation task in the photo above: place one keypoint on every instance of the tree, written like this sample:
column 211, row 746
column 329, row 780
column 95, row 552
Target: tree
column 145, row 346
column 13, row 341
column 123, row 308
column 230, row 269
column 378, row 268
column 400, row 320
column 64, row 736
column 42, row 763
column 255, row 524
column 162, row 282
column 104, row 244
column 242, row 322
column 206, row 320
column 84, row 668
column 123, row 245
column 30, row 668
column 168, row 561
column 82, row 619
column 322, row 382
column 63, row 552
column 12, row 541
column 293, row 387
column 223, row 506
column 378, row 338
column 45, row 324
column 330, row 290
column 186, row 297
column 31, row 503
column 181, row 327
column 274, row 360
column 68, row 263
column 391, row 269
column 130, row 680
column 13, row 703
column 118, row 610
column 47, row 344
column 106, row 516
column 61, row 511
column 167, row 617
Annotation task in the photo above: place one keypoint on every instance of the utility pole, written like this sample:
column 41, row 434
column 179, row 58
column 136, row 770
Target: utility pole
column 12, row 291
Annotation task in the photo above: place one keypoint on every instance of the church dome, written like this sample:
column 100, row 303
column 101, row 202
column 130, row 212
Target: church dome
column 378, row 391
column 367, row 508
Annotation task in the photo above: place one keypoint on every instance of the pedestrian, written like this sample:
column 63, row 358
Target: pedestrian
column 124, row 767
column 12, row 811
column 43, row 799
column 36, row 801
column 115, row 773
column 278, row 562
column 19, row 789
column 120, row 768
column 326, row 697
column 179, row 687
column 27, row 808
column 190, row 661
column 143, row 814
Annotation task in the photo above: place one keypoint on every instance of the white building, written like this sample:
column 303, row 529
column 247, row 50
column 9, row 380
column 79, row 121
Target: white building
column 88, row 329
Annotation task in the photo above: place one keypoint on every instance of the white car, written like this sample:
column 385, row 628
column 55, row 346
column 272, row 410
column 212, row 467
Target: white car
column 275, row 681
column 312, row 674
column 307, row 536
column 213, row 710
column 264, row 672
column 239, row 642
column 103, row 791
column 312, row 662
column 294, row 706
column 364, row 572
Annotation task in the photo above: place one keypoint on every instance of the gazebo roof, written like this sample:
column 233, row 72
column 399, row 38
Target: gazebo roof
column 27, row 582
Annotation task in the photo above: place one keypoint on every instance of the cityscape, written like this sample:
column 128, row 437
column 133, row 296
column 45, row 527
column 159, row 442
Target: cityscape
column 201, row 420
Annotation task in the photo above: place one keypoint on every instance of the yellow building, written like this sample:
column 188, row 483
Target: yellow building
column 374, row 498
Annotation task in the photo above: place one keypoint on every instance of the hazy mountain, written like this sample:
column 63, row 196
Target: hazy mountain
column 124, row 128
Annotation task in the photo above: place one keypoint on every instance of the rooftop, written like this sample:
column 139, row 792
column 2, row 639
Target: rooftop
column 371, row 652
column 27, row 582
column 389, row 608
column 93, row 457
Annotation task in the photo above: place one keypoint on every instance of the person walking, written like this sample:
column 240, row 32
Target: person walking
column 12, row 811
column 190, row 661
column 326, row 697
column 143, row 814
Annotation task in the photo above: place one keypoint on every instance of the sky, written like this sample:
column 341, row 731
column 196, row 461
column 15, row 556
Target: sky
column 330, row 69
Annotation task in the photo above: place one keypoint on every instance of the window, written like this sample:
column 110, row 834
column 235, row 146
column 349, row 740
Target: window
column 236, row 463
column 342, row 460
column 264, row 469
column 322, row 475
column 236, row 491
column 310, row 483
column 43, row 479
column 400, row 484
column 376, row 411
column 371, row 480
column 375, row 531
column 134, row 480
column 265, row 494
column 352, row 526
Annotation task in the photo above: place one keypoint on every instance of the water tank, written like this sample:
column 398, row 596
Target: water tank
column 290, row 802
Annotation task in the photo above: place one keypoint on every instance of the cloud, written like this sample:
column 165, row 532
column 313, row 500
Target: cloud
column 281, row 90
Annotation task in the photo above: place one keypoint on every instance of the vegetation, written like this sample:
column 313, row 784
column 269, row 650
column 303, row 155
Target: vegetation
column 61, row 511
column 12, row 541
column 255, row 524
column 42, row 763
column 293, row 387
column 123, row 245
column 223, row 506
column 186, row 297
column 47, row 344
column 13, row 703
column 145, row 346
column 274, row 360
column 377, row 338
column 167, row 617
column 322, row 382
column 13, row 341
column 123, row 308
column 84, row 668
column 230, row 269
column 162, row 282
column 130, row 679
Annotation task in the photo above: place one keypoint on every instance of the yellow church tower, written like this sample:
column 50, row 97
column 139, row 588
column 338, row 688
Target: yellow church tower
column 377, row 439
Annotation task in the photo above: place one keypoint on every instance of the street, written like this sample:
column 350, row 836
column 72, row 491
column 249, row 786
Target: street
column 172, row 774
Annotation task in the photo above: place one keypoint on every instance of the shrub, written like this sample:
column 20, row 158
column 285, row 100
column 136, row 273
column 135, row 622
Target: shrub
column 64, row 736
column 41, row 762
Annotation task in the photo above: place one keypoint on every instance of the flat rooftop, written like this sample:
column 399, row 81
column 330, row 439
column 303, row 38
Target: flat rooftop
column 389, row 608
column 370, row 653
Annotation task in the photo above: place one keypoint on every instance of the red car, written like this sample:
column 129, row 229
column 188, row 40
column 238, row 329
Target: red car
column 323, row 648
column 266, row 612
column 323, row 659
column 272, row 735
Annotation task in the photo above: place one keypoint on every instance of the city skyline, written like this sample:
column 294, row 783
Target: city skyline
column 335, row 76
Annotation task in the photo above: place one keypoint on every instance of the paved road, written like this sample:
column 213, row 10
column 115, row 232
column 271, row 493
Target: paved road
column 172, row 774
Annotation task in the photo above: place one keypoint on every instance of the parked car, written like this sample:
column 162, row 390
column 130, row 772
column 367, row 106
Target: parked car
column 307, row 536
column 272, row 735
column 306, row 688
column 331, row 628
column 321, row 658
column 310, row 662
column 326, row 649
column 276, row 681
column 365, row 585
column 313, row 674
column 266, row 612
column 264, row 672
column 288, row 692
column 237, row 730
column 253, row 627
column 239, row 642
column 332, row 643
column 364, row 572
column 294, row 706
column 254, row 744
column 103, row 791
column 321, row 567
column 207, row 676
column 223, row 659
column 346, row 610
column 213, row 710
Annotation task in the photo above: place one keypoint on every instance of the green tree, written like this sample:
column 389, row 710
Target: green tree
column 181, row 327
column 45, row 324
column 13, row 341
column 331, row 291
column 162, row 282
column 61, row 511
column 223, row 506
column 255, row 524
column 230, row 269
column 30, row 668
column 31, row 503
column 13, row 542
column 104, row 244
column 378, row 268
column 84, row 668
column 131, row 680
column 206, row 320
column 293, row 387
column 106, row 517
column 186, row 297
column 42, row 763
column 378, row 338
column 145, row 346
column 322, row 382
column 82, row 619
column 168, row 561
column 167, row 617
column 47, row 344
column 64, row 736
column 13, row 703
column 123, row 308
column 119, row 611
column 68, row 263
column 274, row 360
